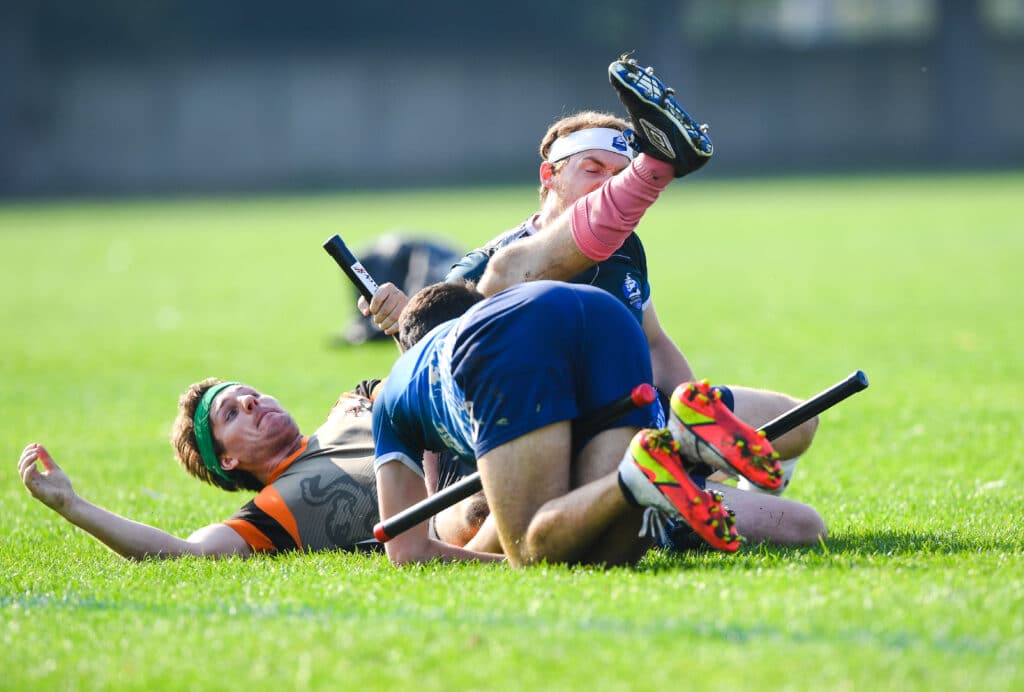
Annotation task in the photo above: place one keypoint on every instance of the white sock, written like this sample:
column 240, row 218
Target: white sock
column 787, row 466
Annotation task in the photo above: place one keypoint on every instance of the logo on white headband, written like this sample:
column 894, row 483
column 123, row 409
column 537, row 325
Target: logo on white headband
column 604, row 138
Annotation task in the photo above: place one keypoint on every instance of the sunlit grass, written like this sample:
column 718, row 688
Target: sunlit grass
column 110, row 309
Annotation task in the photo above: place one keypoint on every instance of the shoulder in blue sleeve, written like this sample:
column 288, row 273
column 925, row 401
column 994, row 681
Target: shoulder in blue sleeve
column 470, row 268
column 391, row 437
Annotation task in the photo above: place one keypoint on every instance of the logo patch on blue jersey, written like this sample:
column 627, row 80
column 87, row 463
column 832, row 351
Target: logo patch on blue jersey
column 631, row 290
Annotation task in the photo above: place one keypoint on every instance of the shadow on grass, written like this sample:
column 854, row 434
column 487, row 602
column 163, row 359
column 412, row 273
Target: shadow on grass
column 888, row 542
column 871, row 544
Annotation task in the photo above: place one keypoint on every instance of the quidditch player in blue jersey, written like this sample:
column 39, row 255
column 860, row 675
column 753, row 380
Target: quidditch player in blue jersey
column 502, row 384
column 580, row 153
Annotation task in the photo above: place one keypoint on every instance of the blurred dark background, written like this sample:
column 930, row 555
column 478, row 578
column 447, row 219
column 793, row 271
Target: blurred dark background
column 181, row 96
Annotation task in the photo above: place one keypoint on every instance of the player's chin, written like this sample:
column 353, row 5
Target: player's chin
column 278, row 422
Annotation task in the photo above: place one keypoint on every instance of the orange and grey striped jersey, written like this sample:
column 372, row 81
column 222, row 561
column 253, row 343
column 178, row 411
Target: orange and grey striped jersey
column 324, row 496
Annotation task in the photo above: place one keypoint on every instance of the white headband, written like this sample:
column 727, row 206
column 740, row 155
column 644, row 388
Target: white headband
column 605, row 138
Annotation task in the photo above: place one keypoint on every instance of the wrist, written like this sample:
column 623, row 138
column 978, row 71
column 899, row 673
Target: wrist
column 69, row 505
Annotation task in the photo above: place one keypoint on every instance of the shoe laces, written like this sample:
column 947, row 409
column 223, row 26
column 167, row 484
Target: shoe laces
column 656, row 525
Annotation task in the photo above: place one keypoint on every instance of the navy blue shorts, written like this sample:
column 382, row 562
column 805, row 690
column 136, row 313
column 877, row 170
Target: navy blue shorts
column 544, row 352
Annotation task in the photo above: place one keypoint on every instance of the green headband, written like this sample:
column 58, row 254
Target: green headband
column 204, row 437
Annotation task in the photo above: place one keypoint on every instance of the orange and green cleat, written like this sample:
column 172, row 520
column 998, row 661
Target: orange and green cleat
column 707, row 431
column 655, row 476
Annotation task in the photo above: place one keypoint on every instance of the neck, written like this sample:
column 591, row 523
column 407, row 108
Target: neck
column 549, row 211
column 263, row 471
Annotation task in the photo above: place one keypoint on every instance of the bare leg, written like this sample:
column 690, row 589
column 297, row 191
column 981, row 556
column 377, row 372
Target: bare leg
column 527, row 482
column 598, row 463
column 768, row 519
column 520, row 476
column 460, row 523
column 758, row 406
column 549, row 255
column 585, row 233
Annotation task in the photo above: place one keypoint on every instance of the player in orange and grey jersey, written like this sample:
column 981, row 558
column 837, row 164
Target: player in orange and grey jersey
column 314, row 492
column 324, row 496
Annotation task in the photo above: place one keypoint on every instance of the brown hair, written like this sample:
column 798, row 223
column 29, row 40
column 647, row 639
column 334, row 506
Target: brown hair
column 573, row 123
column 183, row 439
column 433, row 305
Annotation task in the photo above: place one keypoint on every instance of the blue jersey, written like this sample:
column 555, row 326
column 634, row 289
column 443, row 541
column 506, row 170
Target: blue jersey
column 535, row 354
column 412, row 413
column 624, row 274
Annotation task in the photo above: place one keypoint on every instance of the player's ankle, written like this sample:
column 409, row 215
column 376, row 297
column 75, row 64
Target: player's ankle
column 654, row 172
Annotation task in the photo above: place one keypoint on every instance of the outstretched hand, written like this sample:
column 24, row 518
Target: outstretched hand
column 386, row 307
column 50, row 485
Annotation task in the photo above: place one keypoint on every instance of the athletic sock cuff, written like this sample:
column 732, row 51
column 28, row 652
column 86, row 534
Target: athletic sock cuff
column 603, row 219
column 727, row 397
column 654, row 172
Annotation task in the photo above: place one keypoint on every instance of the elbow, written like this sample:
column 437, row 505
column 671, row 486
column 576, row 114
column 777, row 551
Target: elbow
column 398, row 557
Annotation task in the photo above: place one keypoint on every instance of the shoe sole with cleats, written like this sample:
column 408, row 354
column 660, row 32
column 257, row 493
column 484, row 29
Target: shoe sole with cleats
column 708, row 432
column 664, row 130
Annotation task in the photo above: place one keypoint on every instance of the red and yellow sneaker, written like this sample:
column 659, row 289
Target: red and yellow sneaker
column 708, row 432
column 655, row 476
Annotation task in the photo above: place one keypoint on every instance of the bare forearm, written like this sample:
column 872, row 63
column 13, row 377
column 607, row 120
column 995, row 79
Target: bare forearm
column 670, row 366
column 48, row 483
column 131, row 539
column 398, row 487
column 431, row 471
column 414, row 547
column 450, row 553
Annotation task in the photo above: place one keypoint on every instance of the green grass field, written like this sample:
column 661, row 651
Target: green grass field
column 110, row 309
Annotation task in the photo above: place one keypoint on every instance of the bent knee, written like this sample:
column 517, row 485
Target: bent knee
column 497, row 276
column 798, row 440
column 806, row 527
column 458, row 525
column 808, row 430
column 474, row 511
